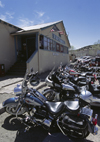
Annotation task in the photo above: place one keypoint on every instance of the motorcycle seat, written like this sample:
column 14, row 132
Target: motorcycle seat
column 89, row 73
column 72, row 105
column 54, row 107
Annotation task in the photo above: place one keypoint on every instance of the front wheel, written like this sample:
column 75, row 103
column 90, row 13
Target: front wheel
column 11, row 109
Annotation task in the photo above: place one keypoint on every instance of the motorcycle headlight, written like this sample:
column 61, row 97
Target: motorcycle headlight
column 18, row 89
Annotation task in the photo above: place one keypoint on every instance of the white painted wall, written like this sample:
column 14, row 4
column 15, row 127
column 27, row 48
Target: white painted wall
column 7, row 46
column 49, row 59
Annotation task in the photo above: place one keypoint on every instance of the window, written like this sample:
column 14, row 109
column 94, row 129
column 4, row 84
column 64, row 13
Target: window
column 61, row 48
column 57, row 47
column 45, row 38
column 54, row 46
column 49, row 44
column 45, row 43
column 65, row 49
column 41, row 41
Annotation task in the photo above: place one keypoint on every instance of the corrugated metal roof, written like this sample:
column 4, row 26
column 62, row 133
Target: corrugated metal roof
column 40, row 26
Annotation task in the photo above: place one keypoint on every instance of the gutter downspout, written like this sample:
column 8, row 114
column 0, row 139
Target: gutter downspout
column 37, row 47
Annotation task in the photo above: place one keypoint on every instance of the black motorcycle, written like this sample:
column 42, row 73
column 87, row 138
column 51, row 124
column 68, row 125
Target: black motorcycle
column 61, row 87
column 72, row 117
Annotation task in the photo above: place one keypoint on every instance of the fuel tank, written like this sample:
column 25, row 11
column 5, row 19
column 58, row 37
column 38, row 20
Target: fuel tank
column 35, row 99
column 67, row 87
column 86, row 95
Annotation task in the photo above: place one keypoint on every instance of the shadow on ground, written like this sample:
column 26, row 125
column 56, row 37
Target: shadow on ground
column 35, row 134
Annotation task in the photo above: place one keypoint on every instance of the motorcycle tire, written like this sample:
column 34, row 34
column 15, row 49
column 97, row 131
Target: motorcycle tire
column 12, row 110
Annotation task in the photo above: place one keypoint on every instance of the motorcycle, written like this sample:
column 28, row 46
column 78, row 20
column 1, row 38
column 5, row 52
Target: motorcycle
column 73, row 117
column 95, row 90
column 60, row 87
column 80, row 76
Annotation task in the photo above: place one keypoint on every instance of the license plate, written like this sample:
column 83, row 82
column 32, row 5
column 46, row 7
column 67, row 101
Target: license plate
column 86, row 111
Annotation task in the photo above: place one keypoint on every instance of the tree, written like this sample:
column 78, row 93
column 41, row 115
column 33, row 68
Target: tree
column 72, row 47
column 97, row 42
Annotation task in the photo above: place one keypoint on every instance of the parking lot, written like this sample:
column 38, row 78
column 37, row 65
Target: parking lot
column 11, row 130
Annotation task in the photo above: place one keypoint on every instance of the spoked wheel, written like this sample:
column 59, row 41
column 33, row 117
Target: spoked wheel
column 12, row 110
column 49, row 95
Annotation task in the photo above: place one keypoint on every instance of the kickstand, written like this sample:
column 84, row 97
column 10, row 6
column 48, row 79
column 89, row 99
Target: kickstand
column 26, row 129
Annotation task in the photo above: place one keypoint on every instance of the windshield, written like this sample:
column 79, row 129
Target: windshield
column 52, row 71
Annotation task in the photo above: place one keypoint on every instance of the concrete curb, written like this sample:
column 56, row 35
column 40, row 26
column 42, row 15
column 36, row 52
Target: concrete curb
column 15, row 83
column 12, row 83
column 2, row 109
column 40, row 86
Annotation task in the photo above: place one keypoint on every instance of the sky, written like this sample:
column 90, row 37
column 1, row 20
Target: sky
column 81, row 18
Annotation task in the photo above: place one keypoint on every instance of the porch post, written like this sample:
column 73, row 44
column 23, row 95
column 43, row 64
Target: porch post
column 37, row 48
column 15, row 47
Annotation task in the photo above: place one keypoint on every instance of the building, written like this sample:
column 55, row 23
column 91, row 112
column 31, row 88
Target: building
column 41, row 47
column 7, row 44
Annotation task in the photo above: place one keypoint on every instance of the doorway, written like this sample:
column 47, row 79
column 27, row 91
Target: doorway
column 31, row 46
column 26, row 47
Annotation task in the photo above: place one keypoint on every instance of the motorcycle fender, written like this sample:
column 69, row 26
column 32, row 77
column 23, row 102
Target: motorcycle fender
column 47, row 90
column 10, row 101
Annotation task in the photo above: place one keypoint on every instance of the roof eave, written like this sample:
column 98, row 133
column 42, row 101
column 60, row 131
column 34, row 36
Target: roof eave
column 51, row 25
column 25, row 32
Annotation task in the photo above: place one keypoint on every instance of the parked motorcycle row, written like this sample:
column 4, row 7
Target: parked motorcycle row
column 64, row 104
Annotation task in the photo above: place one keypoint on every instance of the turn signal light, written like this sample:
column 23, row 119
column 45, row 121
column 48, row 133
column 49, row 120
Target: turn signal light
column 94, row 120
column 91, row 82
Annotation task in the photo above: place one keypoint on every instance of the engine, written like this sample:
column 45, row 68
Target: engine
column 41, row 117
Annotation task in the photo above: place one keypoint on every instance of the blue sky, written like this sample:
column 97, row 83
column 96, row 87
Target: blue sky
column 81, row 18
